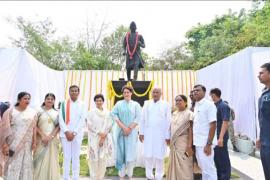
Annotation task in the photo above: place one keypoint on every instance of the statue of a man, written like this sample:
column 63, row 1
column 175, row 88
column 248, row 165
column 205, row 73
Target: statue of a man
column 133, row 42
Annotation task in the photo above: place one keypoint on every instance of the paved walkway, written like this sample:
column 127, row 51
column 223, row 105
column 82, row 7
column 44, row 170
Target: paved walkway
column 250, row 166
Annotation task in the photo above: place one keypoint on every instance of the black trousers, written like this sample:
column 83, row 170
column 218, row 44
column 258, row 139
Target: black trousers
column 222, row 161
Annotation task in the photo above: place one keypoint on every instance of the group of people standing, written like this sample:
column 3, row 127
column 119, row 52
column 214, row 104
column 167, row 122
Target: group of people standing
column 26, row 130
column 29, row 139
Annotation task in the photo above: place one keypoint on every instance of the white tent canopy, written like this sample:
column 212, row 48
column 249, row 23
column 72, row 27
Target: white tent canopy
column 236, row 76
column 20, row 71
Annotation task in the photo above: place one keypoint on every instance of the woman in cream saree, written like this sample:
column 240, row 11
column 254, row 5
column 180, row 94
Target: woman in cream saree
column 180, row 159
column 18, row 139
column 46, row 164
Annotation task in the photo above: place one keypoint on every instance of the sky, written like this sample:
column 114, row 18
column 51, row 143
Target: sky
column 163, row 24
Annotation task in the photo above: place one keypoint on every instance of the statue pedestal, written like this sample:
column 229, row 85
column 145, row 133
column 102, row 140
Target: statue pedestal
column 142, row 90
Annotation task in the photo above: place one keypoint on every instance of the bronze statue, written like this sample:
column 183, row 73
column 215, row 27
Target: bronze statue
column 133, row 42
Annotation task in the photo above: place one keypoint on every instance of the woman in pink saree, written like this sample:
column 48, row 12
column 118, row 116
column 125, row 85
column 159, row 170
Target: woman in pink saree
column 180, row 159
column 17, row 139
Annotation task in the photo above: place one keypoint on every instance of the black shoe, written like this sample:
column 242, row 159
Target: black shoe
column 235, row 149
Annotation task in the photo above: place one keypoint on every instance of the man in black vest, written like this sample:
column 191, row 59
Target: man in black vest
column 133, row 41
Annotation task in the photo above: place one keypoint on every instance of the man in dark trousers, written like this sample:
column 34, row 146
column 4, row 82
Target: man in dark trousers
column 264, row 120
column 221, row 156
column 133, row 42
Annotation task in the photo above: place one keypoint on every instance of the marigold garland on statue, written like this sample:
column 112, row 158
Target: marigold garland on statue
column 111, row 92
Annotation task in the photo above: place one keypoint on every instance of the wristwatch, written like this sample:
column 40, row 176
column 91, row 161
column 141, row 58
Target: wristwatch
column 209, row 143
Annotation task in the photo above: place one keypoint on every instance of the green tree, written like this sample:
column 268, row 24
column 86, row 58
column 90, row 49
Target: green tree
column 111, row 49
column 256, row 32
column 37, row 39
column 83, row 58
column 228, row 34
column 212, row 42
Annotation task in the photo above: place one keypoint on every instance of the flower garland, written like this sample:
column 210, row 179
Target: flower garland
column 111, row 92
column 135, row 46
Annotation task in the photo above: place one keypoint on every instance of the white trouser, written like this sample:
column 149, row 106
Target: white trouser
column 71, row 152
column 156, row 163
column 127, row 169
column 206, row 163
column 97, row 169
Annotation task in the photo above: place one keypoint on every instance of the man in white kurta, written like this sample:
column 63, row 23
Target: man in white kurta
column 204, row 133
column 72, row 117
column 155, row 133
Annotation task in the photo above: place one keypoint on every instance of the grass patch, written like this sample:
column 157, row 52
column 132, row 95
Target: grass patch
column 111, row 171
column 137, row 172
column 234, row 175
column 85, row 141
column 84, row 170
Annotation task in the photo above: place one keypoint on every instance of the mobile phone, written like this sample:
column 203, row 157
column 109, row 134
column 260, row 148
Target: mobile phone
column 10, row 153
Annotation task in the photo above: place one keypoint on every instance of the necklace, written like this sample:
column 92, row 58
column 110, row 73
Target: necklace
column 50, row 119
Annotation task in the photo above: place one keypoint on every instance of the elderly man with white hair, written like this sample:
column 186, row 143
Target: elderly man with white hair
column 155, row 133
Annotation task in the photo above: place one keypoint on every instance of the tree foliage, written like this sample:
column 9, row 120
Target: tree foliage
column 228, row 34
column 92, row 51
column 112, row 49
column 37, row 39
column 205, row 43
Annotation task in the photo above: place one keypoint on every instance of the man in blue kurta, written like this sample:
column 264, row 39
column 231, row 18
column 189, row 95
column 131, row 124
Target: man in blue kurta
column 126, row 113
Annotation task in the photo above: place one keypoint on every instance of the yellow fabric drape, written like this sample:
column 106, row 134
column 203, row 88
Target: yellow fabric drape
column 111, row 94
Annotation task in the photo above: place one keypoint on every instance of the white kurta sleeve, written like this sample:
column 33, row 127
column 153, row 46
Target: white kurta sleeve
column 79, row 127
column 138, row 113
column 142, row 120
column 108, row 123
column 90, row 124
column 62, row 123
column 168, row 121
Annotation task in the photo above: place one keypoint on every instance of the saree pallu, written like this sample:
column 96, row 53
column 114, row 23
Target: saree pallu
column 46, row 164
column 21, row 124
